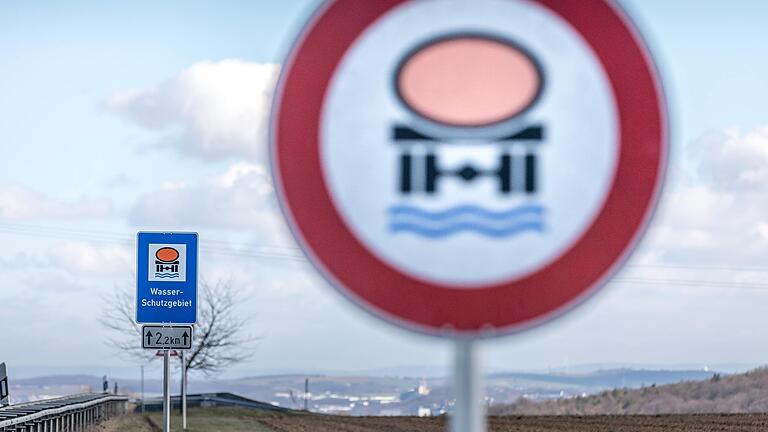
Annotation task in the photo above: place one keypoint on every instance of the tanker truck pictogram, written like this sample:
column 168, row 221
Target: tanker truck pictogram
column 465, row 88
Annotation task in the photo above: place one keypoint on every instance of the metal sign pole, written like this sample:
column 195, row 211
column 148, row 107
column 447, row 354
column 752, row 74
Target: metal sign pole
column 183, row 392
column 142, row 389
column 166, row 391
column 468, row 411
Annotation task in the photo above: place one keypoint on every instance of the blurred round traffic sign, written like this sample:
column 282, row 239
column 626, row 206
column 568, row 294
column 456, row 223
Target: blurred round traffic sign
column 468, row 168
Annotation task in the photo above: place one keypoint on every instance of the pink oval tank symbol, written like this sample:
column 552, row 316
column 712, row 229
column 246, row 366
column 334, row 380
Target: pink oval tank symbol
column 469, row 81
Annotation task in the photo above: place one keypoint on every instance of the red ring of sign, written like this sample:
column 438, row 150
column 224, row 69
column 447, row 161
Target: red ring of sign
column 493, row 309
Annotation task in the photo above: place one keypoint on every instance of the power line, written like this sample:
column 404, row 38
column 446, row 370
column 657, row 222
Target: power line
column 216, row 247
column 293, row 254
column 699, row 267
column 104, row 235
column 691, row 283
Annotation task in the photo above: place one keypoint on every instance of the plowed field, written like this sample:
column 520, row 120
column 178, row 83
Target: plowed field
column 242, row 420
column 698, row 423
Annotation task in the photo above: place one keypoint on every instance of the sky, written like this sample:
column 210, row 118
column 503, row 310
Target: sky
column 117, row 117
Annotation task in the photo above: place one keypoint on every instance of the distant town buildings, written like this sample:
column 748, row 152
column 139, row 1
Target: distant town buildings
column 423, row 388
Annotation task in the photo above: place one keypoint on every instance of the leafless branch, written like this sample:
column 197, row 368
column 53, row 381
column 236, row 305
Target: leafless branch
column 220, row 339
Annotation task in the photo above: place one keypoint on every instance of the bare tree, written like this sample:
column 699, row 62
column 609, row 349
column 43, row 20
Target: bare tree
column 220, row 338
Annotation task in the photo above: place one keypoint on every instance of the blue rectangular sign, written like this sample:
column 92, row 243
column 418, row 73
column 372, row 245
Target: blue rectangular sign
column 166, row 278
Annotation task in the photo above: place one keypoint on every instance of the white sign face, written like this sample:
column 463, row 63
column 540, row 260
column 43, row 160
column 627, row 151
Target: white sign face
column 477, row 192
column 167, row 262
column 166, row 337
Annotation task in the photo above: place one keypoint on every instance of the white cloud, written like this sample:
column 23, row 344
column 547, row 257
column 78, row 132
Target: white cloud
column 22, row 203
column 240, row 198
column 119, row 181
column 221, row 108
column 731, row 160
column 21, row 261
column 81, row 257
column 720, row 213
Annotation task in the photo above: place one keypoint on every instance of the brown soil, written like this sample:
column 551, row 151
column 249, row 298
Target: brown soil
column 698, row 423
column 242, row 420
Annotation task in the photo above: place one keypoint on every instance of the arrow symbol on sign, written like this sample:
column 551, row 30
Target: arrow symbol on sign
column 149, row 337
column 185, row 336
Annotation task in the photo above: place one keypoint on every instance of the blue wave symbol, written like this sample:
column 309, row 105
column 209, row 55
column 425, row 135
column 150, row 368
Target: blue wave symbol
column 467, row 218
column 451, row 229
column 167, row 275
column 466, row 209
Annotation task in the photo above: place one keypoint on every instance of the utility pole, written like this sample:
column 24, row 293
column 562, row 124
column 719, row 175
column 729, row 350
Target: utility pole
column 142, row 389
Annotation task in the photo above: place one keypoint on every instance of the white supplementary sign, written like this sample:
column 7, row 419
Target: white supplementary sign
column 166, row 337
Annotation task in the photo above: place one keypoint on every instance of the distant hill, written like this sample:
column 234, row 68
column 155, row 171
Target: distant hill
column 60, row 380
column 397, row 395
column 742, row 393
column 606, row 379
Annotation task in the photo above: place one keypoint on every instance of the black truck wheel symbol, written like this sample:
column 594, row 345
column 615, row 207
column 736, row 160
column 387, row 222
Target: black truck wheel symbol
column 420, row 173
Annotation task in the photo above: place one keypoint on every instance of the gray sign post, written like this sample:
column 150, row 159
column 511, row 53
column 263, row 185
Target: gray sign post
column 166, row 338
column 166, row 391
column 183, row 391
